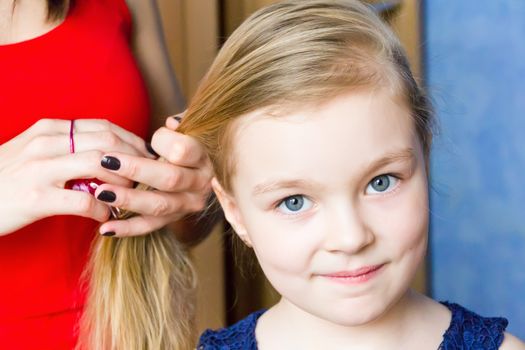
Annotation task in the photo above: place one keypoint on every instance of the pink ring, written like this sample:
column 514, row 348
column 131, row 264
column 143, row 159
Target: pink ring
column 83, row 185
column 71, row 139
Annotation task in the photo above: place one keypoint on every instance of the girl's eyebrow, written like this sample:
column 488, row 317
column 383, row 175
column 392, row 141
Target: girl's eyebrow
column 403, row 155
column 274, row 185
column 406, row 154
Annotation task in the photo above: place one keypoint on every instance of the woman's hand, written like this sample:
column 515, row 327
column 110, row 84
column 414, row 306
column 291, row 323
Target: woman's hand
column 182, row 183
column 35, row 165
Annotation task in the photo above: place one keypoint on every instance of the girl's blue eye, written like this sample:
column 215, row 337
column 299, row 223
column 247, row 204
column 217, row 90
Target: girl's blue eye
column 381, row 184
column 294, row 204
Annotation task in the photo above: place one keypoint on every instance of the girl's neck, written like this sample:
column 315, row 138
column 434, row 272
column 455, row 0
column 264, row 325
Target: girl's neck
column 412, row 320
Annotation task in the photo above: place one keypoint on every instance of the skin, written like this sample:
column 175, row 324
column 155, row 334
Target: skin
column 328, row 155
column 182, row 181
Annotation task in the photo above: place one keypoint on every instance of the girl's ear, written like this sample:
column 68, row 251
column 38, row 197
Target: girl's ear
column 231, row 211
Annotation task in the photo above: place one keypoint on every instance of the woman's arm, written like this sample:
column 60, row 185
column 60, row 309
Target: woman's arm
column 151, row 53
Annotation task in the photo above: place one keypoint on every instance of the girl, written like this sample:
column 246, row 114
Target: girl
column 320, row 139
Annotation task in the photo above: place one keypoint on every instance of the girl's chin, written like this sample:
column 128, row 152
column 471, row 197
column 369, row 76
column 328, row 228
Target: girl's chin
column 356, row 316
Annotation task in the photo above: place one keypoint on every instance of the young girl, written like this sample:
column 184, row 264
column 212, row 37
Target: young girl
column 320, row 139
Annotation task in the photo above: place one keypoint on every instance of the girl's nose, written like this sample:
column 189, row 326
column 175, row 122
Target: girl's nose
column 347, row 231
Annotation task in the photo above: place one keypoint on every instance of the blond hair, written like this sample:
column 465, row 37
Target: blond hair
column 140, row 290
column 292, row 54
column 140, row 294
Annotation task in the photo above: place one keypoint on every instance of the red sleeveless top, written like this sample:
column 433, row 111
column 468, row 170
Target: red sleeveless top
column 83, row 68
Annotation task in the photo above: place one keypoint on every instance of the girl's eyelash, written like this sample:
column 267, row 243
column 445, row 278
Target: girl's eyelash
column 277, row 205
column 279, row 202
column 398, row 177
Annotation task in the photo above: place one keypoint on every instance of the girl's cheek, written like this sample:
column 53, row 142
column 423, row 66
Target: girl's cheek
column 286, row 246
column 407, row 226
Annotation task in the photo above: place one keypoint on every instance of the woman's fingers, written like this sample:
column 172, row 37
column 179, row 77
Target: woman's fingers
column 49, row 137
column 131, row 139
column 78, row 166
column 135, row 226
column 178, row 149
column 160, row 175
column 157, row 209
column 152, row 203
column 172, row 122
column 67, row 202
column 44, row 146
column 108, row 141
column 62, row 126
column 36, row 165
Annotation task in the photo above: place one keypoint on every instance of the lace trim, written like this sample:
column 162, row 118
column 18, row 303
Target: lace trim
column 467, row 331
column 240, row 336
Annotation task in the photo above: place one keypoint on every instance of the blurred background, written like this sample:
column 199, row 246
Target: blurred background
column 474, row 59
column 470, row 54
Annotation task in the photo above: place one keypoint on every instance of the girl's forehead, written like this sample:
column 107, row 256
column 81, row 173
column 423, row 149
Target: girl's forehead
column 343, row 134
column 371, row 96
column 353, row 111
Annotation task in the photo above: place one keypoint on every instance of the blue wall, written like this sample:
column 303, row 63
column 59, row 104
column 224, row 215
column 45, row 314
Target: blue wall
column 475, row 68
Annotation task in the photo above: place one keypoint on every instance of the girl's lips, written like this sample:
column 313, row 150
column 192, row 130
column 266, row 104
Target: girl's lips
column 362, row 274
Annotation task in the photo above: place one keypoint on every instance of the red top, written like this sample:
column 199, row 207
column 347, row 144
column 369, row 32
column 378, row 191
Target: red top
column 84, row 68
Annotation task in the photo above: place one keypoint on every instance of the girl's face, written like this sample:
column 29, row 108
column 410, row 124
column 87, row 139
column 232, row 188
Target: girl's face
column 333, row 200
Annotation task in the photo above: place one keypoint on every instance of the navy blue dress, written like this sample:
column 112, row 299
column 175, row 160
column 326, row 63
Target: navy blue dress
column 467, row 331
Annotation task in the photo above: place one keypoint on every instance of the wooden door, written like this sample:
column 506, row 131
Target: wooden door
column 191, row 30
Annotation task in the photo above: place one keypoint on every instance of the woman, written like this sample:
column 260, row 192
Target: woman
column 103, row 64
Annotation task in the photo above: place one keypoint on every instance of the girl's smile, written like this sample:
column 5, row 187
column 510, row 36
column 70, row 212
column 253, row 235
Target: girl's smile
column 357, row 276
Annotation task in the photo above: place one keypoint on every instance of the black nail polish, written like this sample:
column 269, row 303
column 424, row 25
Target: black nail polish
column 108, row 234
column 151, row 150
column 110, row 163
column 107, row 196
column 177, row 118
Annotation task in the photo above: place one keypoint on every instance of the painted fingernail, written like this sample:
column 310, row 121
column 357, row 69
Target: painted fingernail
column 177, row 118
column 151, row 150
column 110, row 163
column 107, row 196
column 108, row 234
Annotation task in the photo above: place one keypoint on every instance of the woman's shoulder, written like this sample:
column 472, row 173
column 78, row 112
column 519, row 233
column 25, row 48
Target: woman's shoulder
column 468, row 330
column 240, row 336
